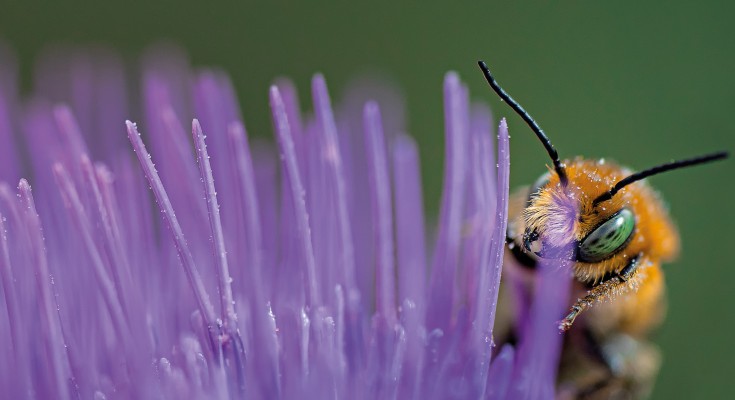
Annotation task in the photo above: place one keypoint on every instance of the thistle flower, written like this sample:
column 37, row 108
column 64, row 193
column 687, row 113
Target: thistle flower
column 300, row 271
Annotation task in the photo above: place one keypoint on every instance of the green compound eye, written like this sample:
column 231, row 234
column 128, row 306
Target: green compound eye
column 608, row 238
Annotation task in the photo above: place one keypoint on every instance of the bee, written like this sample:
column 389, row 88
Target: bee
column 615, row 231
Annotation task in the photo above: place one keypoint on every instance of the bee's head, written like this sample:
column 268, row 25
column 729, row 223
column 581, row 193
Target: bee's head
column 594, row 213
column 566, row 222
column 562, row 222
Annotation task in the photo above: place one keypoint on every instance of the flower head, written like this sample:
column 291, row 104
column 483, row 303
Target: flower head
column 210, row 267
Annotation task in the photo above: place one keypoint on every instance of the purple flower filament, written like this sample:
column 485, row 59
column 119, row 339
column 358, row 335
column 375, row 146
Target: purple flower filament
column 299, row 270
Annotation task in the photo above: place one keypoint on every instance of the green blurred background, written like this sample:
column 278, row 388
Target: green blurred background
column 639, row 83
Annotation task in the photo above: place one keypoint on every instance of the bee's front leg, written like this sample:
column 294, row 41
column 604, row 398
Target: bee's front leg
column 627, row 279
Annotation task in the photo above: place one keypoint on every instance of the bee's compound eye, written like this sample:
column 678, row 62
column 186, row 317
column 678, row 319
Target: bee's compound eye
column 532, row 242
column 608, row 238
column 542, row 181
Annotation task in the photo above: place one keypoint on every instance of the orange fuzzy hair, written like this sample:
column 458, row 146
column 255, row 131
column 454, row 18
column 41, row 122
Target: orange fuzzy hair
column 562, row 215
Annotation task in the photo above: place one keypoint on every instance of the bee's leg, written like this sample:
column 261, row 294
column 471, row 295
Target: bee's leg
column 617, row 284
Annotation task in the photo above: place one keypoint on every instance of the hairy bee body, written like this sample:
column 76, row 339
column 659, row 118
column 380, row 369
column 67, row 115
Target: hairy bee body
column 606, row 352
column 616, row 232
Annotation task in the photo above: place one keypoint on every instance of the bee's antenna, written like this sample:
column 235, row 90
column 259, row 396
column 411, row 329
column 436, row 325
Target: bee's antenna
column 529, row 120
column 657, row 170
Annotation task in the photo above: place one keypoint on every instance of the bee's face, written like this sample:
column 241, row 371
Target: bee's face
column 562, row 222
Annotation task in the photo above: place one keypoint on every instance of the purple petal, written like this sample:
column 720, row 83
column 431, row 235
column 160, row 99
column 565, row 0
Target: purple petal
column 296, row 192
column 446, row 253
column 197, row 286
column 227, row 302
column 315, row 248
column 55, row 342
column 331, row 154
column 380, row 184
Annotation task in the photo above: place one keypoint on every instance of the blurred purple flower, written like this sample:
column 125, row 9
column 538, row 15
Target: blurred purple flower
column 295, row 272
